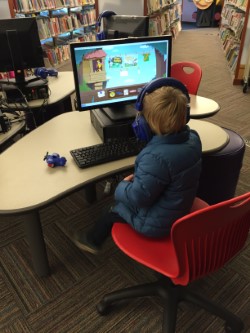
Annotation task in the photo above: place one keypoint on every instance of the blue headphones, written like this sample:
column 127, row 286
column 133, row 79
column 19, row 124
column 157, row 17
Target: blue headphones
column 140, row 126
column 106, row 13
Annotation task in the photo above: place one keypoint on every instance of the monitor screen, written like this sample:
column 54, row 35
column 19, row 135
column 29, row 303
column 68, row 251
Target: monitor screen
column 123, row 26
column 20, row 46
column 110, row 73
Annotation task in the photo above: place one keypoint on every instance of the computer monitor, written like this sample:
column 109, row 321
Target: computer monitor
column 123, row 26
column 20, row 47
column 109, row 74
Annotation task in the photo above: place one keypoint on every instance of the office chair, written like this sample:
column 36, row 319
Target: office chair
column 199, row 244
column 189, row 73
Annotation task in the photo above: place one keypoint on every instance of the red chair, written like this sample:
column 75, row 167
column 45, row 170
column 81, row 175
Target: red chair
column 200, row 243
column 189, row 73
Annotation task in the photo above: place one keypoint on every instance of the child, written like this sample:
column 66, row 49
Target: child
column 166, row 173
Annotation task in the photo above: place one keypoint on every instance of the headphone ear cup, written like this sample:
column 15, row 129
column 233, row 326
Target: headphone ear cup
column 100, row 35
column 141, row 128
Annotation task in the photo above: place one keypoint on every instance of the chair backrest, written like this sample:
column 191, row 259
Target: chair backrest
column 189, row 73
column 206, row 239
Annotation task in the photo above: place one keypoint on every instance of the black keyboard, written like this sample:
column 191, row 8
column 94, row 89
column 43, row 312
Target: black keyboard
column 113, row 150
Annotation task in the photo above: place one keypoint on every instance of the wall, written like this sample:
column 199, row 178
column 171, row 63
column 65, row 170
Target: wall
column 122, row 7
column 4, row 11
column 188, row 9
column 245, row 59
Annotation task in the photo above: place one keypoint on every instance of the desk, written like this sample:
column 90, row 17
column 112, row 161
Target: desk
column 38, row 185
column 61, row 88
column 15, row 129
column 202, row 107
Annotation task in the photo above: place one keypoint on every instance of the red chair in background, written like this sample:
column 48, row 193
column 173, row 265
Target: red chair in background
column 199, row 244
column 189, row 73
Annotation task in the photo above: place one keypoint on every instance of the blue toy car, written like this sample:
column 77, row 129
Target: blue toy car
column 54, row 160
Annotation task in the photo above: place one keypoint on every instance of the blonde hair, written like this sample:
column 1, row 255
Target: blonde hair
column 165, row 110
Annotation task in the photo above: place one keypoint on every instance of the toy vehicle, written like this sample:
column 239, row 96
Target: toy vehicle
column 54, row 160
column 45, row 72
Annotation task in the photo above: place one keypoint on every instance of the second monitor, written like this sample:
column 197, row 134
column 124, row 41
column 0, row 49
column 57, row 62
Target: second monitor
column 123, row 26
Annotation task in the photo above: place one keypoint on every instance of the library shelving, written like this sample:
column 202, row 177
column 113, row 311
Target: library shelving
column 164, row 16
column 234, row 34
column 60, row 22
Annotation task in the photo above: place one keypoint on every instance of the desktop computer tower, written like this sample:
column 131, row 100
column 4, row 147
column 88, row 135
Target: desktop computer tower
column 108, row 129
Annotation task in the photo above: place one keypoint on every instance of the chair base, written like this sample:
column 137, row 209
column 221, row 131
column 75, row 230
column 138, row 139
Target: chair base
column 171, row 296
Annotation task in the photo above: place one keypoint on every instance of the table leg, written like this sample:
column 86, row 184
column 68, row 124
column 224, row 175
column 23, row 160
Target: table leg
column 34, row 234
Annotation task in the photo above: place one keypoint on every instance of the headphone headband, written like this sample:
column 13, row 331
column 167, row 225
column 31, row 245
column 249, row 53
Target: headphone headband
column 101, row 34
column 140, row 126
column 157, row 83
column 105, row 13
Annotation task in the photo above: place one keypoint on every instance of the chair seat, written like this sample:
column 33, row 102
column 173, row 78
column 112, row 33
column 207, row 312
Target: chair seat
column 134, row 244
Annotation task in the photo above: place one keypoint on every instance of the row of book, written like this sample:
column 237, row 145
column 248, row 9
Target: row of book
column 242, row 4
column 59, row 54
column 27, row 6
column 157, row 5
column 53, row 26
column 232, row 57
column 230, row 46
column 164, row 22
column 234, row 19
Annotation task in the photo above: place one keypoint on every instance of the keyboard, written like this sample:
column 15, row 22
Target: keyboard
column 113, row 150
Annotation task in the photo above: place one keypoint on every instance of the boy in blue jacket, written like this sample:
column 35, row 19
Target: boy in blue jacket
column 166, row 173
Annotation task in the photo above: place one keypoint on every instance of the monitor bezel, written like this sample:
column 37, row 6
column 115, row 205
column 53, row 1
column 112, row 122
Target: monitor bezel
column 106, row 42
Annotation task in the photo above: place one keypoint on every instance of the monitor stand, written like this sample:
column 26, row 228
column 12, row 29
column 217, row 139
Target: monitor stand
column 120, row 112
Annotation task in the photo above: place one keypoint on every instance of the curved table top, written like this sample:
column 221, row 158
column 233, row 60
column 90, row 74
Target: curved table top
column 27, row 183
column 213, row 137
column 202, row 107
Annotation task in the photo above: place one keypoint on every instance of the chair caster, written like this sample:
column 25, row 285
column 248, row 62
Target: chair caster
column 102, row 308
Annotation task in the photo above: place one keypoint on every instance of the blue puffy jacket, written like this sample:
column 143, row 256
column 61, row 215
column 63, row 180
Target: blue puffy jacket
column 165, row 182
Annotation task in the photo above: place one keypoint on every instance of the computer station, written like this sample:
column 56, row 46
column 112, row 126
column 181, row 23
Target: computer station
column 124, row 201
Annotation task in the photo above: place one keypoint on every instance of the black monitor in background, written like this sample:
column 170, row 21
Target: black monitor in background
column 123, row 26
column 109, row 74
column 20, row 47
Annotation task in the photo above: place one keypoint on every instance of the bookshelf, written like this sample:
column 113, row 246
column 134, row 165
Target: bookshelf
column 60, row 22
column 164, row 16
column 234, row 34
